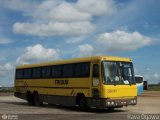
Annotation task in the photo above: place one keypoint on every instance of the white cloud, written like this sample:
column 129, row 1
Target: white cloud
column 37, row 53
column 44, row 9
column 156, row 76
column 85, row 50
column 66, row 12
column 123, row 41
column 61, row 10
column 4, row 69
column 97, row 7
column 57, row 28
column 59, row 17
column 152, row 78
column 75, row 40
column 58, row 10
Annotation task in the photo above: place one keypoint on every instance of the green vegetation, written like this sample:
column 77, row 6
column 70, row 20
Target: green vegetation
column 6, row 89
column 154, row 87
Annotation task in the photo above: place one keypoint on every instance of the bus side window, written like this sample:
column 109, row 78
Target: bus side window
column 36, row 72
column 82, row 69
column 27, row 73
column 56, row 71
column 68, row 70
column 95, row 70
column 19, row 74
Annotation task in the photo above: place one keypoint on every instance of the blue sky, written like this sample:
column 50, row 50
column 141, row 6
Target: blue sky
column 35, row 31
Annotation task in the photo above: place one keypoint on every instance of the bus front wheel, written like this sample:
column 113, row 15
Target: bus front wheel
column 82, row 103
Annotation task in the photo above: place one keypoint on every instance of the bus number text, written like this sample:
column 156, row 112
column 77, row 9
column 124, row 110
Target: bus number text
column 61, row 82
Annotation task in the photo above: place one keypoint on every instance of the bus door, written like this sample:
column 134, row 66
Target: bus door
column 95, row 80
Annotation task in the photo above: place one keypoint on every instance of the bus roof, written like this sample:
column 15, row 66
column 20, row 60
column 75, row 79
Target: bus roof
column 138, row 76
column 76, row 60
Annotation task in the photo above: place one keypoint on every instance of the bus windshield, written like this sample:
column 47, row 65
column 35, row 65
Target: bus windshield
column 118, row 73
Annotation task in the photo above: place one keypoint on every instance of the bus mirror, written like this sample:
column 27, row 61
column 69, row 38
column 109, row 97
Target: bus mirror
column 95, row 70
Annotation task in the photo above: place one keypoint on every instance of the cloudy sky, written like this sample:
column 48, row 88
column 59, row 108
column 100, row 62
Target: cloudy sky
column 45, row 30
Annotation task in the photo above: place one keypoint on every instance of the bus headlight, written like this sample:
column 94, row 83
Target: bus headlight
column 134, row 101
column 108, row 102
column 112, row 102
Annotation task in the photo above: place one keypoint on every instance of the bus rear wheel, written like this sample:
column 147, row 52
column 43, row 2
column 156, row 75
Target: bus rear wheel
column 29, row 98
column 37, row 101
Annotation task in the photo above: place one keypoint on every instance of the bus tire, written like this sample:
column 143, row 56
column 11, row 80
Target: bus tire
column 82, row 103
column 37, row 101
column 110, row 108
column 29, row 98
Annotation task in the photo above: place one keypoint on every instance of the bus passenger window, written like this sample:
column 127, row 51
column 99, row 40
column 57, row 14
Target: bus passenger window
column 46, row 72
column 82, row 69
column 68, row 70
column 27, row 73
column 36, row 72
column 19, row 74
column 56, row 71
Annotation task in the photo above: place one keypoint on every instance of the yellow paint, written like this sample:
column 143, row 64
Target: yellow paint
column 118, row 91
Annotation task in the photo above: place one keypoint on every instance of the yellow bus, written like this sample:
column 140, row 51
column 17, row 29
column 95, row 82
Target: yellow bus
column 96, row 81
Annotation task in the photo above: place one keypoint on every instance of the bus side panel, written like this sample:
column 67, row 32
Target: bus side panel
column 49, row 86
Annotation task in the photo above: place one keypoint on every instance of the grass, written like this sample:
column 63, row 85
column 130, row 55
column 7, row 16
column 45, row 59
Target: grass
column 154, row 87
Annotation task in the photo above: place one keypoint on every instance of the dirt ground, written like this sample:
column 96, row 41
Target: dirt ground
column 148, row 103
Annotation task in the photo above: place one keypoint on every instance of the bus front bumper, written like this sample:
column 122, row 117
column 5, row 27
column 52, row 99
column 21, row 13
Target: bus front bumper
column 116, row 103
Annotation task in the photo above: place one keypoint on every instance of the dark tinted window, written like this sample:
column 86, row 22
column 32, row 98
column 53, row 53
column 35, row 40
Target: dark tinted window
column 95, row 70
column 82, row 69
column 46, row 72
column 139, row 79
column 27, row 73
column 36, row 73
column 68, row 70
column 19, row 74
column 56, row 71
